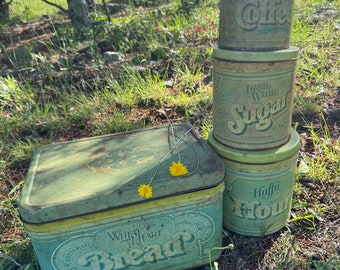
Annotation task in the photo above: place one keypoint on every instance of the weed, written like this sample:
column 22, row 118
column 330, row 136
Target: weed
column 116, row 122
column 135, row 89
column 217, row 249
column 323, row 163
column 307, row 107
column 15, row 98
column 206, row 126
column 31, row 10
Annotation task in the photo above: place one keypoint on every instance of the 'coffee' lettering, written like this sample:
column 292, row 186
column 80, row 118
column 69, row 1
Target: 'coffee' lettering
column 263, row 12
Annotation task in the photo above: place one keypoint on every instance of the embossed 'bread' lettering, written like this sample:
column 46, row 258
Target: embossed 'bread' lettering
column 103, row 260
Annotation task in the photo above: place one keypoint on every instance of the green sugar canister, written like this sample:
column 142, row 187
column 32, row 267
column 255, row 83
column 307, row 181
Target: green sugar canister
column 258, row 186
column 253, row 97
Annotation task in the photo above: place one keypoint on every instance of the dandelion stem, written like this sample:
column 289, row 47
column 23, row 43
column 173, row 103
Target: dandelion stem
column 172, row 133
column 168, row 153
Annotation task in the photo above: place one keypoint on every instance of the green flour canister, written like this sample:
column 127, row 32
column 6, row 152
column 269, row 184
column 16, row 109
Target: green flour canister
column 253, row 97
column 255, row 24
column 87, row 204
column 259, row 187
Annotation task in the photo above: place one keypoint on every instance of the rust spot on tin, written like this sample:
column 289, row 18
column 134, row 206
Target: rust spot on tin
column 197, row 137
column 213, row 165
column 100, row 150
column 35, row 208
column 41, row 171
column 154, row 255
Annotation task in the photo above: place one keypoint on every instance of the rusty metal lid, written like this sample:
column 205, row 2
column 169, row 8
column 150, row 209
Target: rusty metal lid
column 288, row 54
column 259, row 157
column 85, row 176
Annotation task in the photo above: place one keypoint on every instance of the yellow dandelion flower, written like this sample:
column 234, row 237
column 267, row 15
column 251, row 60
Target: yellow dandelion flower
column 177, row 169
column 145, row 190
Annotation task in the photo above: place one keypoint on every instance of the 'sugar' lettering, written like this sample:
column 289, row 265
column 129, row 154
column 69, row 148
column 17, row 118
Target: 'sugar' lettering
column 243, row 117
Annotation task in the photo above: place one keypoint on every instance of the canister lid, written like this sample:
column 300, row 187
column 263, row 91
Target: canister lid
column 257, row 157
column 290, row 53
column 95, row 174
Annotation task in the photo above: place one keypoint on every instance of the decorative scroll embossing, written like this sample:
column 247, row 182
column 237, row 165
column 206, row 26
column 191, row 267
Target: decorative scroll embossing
column 123, row 158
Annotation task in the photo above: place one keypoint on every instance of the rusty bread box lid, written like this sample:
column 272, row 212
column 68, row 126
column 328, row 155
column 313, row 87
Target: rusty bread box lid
column 90, row 175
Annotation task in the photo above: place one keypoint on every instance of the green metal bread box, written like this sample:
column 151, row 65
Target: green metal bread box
column 145, row 199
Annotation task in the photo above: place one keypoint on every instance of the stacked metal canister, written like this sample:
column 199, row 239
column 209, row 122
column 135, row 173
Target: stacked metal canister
column 253, row 75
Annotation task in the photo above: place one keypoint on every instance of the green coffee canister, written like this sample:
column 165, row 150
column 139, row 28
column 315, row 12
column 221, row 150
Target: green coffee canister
column 81, row 207
column 255, row 24
column 253, row 97
column 259, row 187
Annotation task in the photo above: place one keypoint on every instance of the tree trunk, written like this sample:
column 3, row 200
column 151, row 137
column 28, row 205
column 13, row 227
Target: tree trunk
column 79, row 14
column 91, row 5
column 4, row 10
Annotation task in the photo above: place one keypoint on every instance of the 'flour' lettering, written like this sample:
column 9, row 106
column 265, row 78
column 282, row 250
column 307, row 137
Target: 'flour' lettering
column 257, row 210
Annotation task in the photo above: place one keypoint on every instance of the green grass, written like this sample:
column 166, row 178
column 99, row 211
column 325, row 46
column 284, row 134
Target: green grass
column 28, row 10
column 57, row 92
